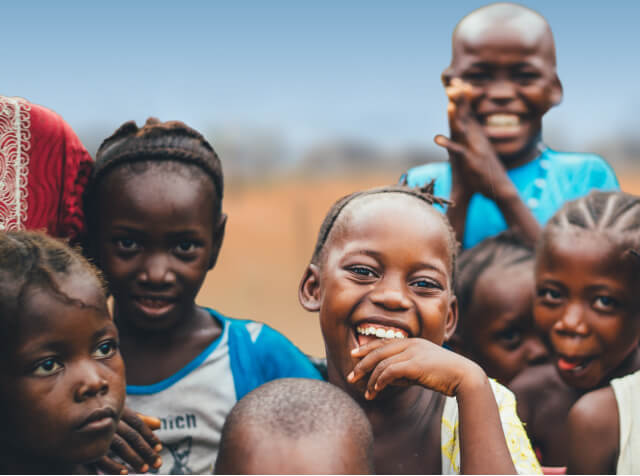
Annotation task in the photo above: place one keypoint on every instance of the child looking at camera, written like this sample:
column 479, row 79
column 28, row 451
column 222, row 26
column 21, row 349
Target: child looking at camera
column 381, row 279
column 156, row 225
column 296, row 426
column 62, row 386
column 501, row 82
column 494, row 287
column 587, row 306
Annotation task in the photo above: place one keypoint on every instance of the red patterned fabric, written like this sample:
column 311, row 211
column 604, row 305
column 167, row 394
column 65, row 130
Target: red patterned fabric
column 44, row 169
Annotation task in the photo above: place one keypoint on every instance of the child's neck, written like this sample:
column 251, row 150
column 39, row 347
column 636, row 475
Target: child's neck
column 526, row 155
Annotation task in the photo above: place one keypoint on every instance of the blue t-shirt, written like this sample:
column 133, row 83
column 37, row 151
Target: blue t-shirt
column 544, row 184
column 193, row 403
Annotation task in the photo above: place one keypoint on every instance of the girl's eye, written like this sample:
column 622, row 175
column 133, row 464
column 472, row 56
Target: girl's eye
column 47, row 367
column 605, row 303
column 426, row 283
column 476, row 77
column 549, row 294
column 105, row 349
column 186, row 246
column 126, row 244
column 510, row 338
column 362, row 271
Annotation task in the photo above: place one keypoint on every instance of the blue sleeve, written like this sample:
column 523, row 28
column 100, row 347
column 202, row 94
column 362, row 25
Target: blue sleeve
column 602, row 176
column 263, row 357
column 281, row 358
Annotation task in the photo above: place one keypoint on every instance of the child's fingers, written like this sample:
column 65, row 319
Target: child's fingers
column 109, row 466
column 373, row 385
column 121, row 448
column 397, row 373
column 152, row 422
column 448, row 144
column 374, row 355
column 138, row 422
column 133, row 448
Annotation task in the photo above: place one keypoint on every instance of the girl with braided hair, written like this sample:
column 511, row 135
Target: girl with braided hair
column 381, row 279
column 156, row 227
column 588, row 307
column 62, row 386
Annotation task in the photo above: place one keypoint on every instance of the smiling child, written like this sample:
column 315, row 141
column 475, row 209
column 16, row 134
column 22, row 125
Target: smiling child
column 381, row 279
column 156, row 222
column 62, row 386
column 587, row 305
column 495, row 287
column 501, row 81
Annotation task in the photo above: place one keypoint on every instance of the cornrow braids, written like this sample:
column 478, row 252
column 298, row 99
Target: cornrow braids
column 506, row 249
column 34, row 259
column 425, row 194
column 136, row 149
column 615, row 215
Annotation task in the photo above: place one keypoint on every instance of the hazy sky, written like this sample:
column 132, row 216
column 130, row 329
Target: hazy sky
column 309, row 70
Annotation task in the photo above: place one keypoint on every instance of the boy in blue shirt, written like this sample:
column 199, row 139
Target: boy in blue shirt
column 501, row 81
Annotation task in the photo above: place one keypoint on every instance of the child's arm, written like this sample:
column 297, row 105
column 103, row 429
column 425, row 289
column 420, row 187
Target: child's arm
column 475, row 168
column 483, row 448
column 594, row 433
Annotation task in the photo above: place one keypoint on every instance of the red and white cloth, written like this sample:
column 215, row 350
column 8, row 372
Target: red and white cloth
column 44, row 169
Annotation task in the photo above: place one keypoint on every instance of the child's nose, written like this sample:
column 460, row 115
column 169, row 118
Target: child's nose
column 391, row 297
column 501, row 91
column 91, row 381
column 573, row 321
column 156, row 270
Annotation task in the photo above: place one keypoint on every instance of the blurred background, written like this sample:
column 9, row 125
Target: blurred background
column 304, row 102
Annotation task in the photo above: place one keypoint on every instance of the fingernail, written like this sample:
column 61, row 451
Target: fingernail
column 158, row 447
column 351, row 376
column 355, row 351
column 367, row 395
column 376, row 387
column 145, row 468
column 158, row 463
column 124, row 471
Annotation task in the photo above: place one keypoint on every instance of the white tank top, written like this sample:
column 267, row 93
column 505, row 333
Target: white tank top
column 627, row 391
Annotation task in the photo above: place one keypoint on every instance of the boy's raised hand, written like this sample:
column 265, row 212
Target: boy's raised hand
column 134, row 443
column 413, row 361
column 474, row 163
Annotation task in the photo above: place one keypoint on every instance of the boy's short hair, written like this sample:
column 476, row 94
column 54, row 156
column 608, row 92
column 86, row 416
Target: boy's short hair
column 293, row 408
column 504, row 249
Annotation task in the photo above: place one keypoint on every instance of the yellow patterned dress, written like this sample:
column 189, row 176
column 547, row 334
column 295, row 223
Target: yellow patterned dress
column 524, row 459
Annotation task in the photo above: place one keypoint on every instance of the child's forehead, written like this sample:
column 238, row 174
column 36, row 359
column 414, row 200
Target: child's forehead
column 523, row 32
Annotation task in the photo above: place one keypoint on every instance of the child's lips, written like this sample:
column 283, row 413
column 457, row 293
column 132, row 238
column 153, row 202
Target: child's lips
column 574, row 364
column 369, row 331
column 154, row 305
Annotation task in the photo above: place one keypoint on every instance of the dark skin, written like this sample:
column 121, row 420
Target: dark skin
column 499, row 333
column 63, row 384
column 159, row 236
column 594, row 434
column 587, row 307
column 366, row 276
column 501, row 81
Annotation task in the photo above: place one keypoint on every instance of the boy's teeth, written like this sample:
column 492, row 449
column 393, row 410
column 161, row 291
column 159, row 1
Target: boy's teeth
column 379, row 332
column 503, row 120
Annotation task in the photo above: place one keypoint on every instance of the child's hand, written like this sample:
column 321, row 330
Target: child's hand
column 413, row 361
column 474, row 163
column 135, row 443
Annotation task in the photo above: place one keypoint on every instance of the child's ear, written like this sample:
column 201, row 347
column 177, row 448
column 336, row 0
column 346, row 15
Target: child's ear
column 218, row 237
column 309, row 290
column 452, row 319
column 446, row 77
column 556, row 91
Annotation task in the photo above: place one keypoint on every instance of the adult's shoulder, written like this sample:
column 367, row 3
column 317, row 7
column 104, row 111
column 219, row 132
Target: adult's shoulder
column 423, row 174
column 582, row 169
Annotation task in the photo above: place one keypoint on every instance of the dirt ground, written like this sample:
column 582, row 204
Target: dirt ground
column 270, row 235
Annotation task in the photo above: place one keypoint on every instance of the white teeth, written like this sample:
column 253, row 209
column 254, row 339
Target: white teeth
column 379, row 332
column 503, row 120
